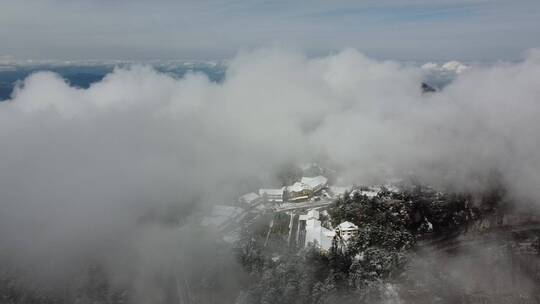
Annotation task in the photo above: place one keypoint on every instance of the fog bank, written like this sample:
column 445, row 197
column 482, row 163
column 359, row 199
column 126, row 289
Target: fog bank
column 82, row 170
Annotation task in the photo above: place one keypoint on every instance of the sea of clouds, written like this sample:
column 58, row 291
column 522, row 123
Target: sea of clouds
column 80, row 167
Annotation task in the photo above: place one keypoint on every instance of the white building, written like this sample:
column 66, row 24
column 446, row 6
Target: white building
column 250, row 200
column 298, row 192
column 311, row 215
column 346, row 230
column 316, row 183
column 272, row 195
column 315, row 233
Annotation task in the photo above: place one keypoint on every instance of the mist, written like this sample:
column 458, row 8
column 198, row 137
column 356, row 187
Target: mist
column 83, row 172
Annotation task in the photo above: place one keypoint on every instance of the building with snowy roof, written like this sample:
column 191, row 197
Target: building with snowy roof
column 298, row 192
column 313, row 232
column 316, row 183
column 346, row 230
column 272, row 195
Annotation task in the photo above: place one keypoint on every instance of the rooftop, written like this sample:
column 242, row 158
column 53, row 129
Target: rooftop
column 347, row 226
column 314, row 181
column 271, row 191
column 297, row 187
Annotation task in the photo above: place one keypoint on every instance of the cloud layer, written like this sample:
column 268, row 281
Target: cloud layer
column 81, row 168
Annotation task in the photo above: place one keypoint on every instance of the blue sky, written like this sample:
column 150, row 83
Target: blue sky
column 475, row 30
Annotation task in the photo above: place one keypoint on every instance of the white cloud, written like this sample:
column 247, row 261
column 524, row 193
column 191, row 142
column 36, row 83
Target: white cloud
column 78, row 167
